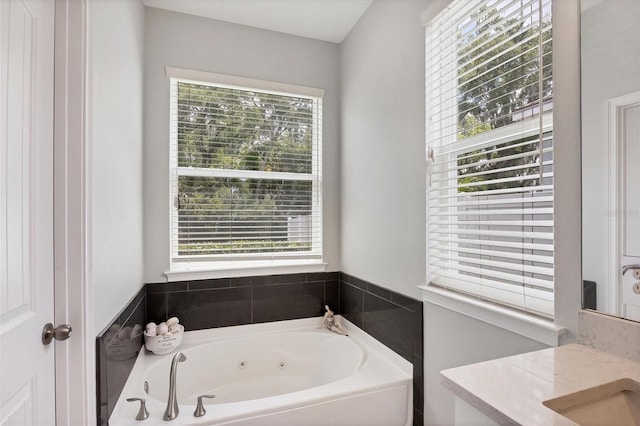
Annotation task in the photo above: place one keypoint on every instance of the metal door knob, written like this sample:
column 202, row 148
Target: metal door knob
column 61, row 332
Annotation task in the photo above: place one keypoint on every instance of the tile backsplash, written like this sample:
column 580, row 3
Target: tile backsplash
column 393, row 319
column 617, row 336
column 117, row 348
column 235, row 301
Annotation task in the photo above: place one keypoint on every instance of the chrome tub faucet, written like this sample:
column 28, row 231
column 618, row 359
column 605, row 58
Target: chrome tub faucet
column 172, row 404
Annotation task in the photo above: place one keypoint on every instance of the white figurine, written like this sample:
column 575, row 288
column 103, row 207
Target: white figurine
column 331, row 322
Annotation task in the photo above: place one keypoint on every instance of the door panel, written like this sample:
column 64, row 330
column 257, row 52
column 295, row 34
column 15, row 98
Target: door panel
column 27, row 391
column 630, row 141
column 631, row 153
column 18, row 409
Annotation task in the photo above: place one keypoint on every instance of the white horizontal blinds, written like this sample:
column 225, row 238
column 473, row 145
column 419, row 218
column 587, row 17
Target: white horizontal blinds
column 489, row 123
column 246, row 173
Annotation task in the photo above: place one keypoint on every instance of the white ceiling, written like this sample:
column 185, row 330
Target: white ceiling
column 329, row 20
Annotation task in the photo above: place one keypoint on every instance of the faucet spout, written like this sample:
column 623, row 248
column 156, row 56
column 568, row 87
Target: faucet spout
column 172, row 404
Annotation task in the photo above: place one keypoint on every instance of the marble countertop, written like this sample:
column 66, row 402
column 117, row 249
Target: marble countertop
column 511, row 390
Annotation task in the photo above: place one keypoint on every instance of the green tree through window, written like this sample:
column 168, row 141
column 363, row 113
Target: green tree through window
column 499, row 66
column 245, row 165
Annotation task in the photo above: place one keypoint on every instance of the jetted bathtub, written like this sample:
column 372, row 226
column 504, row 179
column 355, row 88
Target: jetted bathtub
column 280, row 373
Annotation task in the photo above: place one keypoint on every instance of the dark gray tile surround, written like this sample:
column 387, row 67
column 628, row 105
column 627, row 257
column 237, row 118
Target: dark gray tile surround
column 117, row 347
column 219, row 303
column 392, row 318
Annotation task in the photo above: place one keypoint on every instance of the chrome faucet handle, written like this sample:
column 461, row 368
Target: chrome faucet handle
column 142, row 413
column 625, row 268
column 200, row 411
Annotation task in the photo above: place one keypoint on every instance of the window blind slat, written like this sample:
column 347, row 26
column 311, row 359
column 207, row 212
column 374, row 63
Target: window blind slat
column 488, row 172
column 454, row 280
column 494, row 253
column 495, row 265
column 451, row 212
column 526, row 300
column 495, row 243
column 490, row 149
column 522, row 179
column 530, row 192
column 501, row 201
column 494, row 223
column 534, row 235
column 491, row 277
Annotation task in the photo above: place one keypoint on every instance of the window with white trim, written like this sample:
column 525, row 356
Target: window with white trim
column 246, row 171
column 490, row 147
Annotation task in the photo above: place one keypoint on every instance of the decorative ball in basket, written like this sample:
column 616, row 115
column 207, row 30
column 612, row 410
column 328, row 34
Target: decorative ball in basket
column 163, row 338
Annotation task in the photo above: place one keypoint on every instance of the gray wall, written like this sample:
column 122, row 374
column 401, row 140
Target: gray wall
column 382, row 200
column 185, row 41
column 115, row 64
column 452, row 340
column 383, row 188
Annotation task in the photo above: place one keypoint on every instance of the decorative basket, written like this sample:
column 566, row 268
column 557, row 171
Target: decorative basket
column 164, row 344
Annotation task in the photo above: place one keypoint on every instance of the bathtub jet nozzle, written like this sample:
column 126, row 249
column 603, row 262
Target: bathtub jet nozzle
column 172, row 403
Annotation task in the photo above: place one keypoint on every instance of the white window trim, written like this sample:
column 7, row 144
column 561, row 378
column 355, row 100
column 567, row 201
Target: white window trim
column 235, row 81
column 244, row 268
column 536, row 328
column 259, row 264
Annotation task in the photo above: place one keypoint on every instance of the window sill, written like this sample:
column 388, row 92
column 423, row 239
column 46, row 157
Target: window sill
column 183, row 272
column 535, row 328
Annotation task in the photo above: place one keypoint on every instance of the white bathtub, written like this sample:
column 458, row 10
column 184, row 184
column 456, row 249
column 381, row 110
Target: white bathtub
column 280, row 373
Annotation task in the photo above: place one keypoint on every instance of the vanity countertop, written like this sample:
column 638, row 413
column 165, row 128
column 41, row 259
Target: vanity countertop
column 511, row 390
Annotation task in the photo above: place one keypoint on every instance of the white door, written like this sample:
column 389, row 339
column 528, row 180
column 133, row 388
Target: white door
column 630, row 138
column 26, row 211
